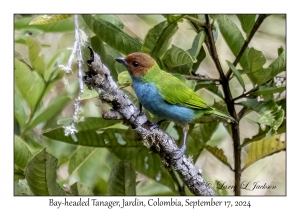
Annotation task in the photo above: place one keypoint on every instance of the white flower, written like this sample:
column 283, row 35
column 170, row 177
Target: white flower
column 70, row 129
column 65, row 81
column 190, row 159
column 260, row 98
column 67, row 69
column 78, row 118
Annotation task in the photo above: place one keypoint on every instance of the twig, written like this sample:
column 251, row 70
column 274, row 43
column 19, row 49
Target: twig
column 257, row 24
column 246, row 93
column 191, row 77
column 230, row 107
column 76, row 51
column 194, row 20
column 79, row 64
column 213, row 50
column 241, row 113
column 98, row 77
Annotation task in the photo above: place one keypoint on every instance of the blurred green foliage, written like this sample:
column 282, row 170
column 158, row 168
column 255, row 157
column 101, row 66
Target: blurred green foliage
column 106, row 157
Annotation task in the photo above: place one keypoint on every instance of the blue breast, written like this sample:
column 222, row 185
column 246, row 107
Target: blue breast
column 149, row 96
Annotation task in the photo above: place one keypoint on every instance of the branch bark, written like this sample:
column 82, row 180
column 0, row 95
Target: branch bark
column 98, row 77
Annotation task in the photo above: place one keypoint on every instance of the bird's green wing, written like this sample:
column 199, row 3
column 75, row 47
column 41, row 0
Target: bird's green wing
column 176, row 92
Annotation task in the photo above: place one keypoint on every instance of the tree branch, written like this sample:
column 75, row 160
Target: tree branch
column 198, row 78
column 246, row 43
column 245, row 94
column 241, row 113
column 230, row 106
column 98, row 77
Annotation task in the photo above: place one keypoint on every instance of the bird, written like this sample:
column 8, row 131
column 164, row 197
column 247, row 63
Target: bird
column 165, row 96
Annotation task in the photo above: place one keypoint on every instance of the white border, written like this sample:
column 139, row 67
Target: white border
column 8, row 201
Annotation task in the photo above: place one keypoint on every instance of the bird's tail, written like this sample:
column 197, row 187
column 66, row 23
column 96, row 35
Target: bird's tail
column 223, row 115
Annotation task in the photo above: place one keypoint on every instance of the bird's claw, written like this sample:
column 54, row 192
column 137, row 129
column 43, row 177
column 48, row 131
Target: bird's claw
column 180, row 152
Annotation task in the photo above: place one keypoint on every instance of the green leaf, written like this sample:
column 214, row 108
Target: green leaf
column 46, row 19
column 108, row 55
column 233, row 37
column 112, row 35
column 89, row 136
column 197, row 44
column 280, row 50
column 112, row 19
column 81, row 157
column 264, row 148
column 237, row 74
column 36, row 60
column 40, row 174
column 154, row 189
column 277, row 66
column 53, row 72
column 260, row 75
column 247, row 22
column 177, row 57
column 122, row 180
column 269, row 113
column 199, row 135
column 88, row 94
column 101, row 187
column 61, row 26
column 158, row 39
column 147, row 163
column 218, row 153
column 124, row 79
column 23, row 188
column 208, row 85
column 98, row 162
column 19, row 109
column 17, row 187
column 81, row 190
column 215, row 32
column 174, row 18
column 21, row 155
column 54, row 108
column 263, row 90
column 206, row 130
column 259, row 136
column 29, row 83
column 199, row 58
column 197, row 52
column 64, row 122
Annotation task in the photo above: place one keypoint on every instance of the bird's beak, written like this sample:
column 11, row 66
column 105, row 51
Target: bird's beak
column 122, row 61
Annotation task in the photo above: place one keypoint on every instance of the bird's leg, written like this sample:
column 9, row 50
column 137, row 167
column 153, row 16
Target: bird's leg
column 181, row 151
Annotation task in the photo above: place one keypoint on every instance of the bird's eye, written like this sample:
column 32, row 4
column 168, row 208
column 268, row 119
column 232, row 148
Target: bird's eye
column 135, row 64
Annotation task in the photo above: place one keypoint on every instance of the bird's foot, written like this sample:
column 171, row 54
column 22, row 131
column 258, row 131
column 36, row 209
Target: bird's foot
column 180, row 152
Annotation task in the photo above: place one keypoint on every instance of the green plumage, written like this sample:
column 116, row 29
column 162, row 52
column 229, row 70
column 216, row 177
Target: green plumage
column 176, row 92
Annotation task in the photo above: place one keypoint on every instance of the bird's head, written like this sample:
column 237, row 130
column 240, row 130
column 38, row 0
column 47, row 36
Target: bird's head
column 137, row 63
